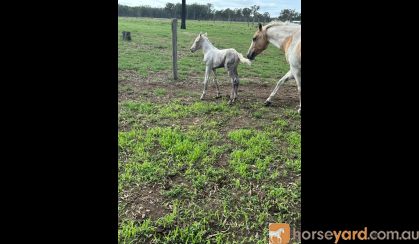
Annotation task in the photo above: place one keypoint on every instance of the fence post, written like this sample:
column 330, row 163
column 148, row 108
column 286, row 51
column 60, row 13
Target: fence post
column 126, row 36
column 174, row 47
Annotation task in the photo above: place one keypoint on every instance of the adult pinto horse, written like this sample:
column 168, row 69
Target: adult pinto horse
column 286, row 36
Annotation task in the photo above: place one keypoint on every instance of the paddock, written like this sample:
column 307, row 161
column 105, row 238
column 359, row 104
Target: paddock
column 203, row 170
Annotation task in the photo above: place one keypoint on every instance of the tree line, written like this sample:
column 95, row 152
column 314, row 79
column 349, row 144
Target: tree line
column 206, row 12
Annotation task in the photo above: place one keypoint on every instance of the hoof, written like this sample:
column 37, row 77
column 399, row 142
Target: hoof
column 218, row 96
column 202, row 97
column 267, row 103
column 230, row 102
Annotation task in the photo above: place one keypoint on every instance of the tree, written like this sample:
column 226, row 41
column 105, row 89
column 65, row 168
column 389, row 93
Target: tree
column 170, row 9
column 266, row 17
column 238, row 14
column 246, row 13
column 228, row 13
column 200, row 12
column 289, row 15
column 218, row 14
column 255, row 9
column 178, row 10
column 258, row 17
column 192, row 11
column 209, row 11
column 183, row 24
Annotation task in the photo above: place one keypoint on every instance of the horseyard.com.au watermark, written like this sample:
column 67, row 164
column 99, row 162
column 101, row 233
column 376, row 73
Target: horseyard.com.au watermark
column 280, row 233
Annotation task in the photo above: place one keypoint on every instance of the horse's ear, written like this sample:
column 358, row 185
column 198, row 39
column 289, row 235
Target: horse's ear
column 200, row 33
column 260, row 26
column 205, row 34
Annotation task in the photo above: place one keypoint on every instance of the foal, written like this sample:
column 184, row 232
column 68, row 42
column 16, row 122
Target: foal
column 215, row 58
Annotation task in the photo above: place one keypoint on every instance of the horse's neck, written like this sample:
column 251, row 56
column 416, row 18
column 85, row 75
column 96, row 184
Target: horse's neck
column 207, row 46
column 278, row 34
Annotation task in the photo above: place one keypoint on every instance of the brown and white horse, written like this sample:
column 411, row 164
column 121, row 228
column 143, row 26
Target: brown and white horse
column 286, row 36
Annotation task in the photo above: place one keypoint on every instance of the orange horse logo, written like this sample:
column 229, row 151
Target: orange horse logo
column 279, row 233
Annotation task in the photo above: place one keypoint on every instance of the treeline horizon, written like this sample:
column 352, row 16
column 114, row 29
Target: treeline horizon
column 206, row 12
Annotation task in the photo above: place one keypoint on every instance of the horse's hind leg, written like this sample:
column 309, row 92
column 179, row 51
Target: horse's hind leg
column 207, row 73
column 234, row 89
column 297, row 76
column 216, row 84
column 236, row 83
column 281, row 81
column 232, row 92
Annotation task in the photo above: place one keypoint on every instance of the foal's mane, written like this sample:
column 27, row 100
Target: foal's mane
column 203, row 36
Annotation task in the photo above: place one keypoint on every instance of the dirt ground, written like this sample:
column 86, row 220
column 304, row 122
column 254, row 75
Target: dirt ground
column 249, row 92
column 146, row 201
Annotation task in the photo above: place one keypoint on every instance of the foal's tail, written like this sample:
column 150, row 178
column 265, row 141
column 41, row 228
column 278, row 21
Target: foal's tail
column 243, row 59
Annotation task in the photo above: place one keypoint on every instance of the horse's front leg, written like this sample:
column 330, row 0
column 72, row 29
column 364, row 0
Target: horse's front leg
column 281, row 81
column 207, row 74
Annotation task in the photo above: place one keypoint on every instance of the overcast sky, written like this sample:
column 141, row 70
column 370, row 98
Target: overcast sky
column 273, row 7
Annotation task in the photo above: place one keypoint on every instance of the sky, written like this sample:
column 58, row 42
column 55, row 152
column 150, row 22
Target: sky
column 273, row 7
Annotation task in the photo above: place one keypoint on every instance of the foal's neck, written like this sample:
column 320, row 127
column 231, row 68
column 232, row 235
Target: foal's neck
column 207, row 46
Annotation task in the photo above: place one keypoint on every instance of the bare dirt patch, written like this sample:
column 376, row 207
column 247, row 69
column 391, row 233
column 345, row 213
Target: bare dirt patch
column 143, row 202
column 158, row 88
column 134, row 87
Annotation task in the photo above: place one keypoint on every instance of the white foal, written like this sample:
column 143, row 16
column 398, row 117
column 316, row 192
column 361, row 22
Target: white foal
column 215, row 58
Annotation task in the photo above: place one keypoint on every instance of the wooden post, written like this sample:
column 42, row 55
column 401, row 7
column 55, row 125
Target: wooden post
column 126, row 36
column 174, row 47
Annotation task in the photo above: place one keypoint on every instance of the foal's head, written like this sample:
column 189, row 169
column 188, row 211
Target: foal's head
column 198, row 42
column 259, row 43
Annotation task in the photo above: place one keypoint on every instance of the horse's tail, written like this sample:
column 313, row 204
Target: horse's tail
column 243, row 59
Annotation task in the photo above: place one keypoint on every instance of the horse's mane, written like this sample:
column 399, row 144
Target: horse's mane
column 278, row 23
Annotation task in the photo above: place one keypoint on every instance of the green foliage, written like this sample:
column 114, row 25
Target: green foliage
column 150, row 50
column 198, row 12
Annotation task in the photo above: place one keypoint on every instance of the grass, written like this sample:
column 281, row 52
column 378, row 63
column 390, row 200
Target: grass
column 150, row 48
column 194, row 171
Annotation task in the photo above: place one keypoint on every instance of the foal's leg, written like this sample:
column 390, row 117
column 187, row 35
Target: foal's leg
column 286, row 77
column 236, row 82
column 216, row 84
column 207, row 73
column 297, row 76
column 232, row 90
column 233, row 85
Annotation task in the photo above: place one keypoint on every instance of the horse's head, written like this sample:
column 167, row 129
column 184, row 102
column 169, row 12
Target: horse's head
column 259, row 43
column 197, row 44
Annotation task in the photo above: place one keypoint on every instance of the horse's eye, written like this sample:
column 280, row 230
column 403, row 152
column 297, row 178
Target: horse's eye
column 254, row 38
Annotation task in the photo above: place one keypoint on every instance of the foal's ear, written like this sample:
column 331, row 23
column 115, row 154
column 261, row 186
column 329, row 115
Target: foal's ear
column 205, row 34
column 260, row 26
